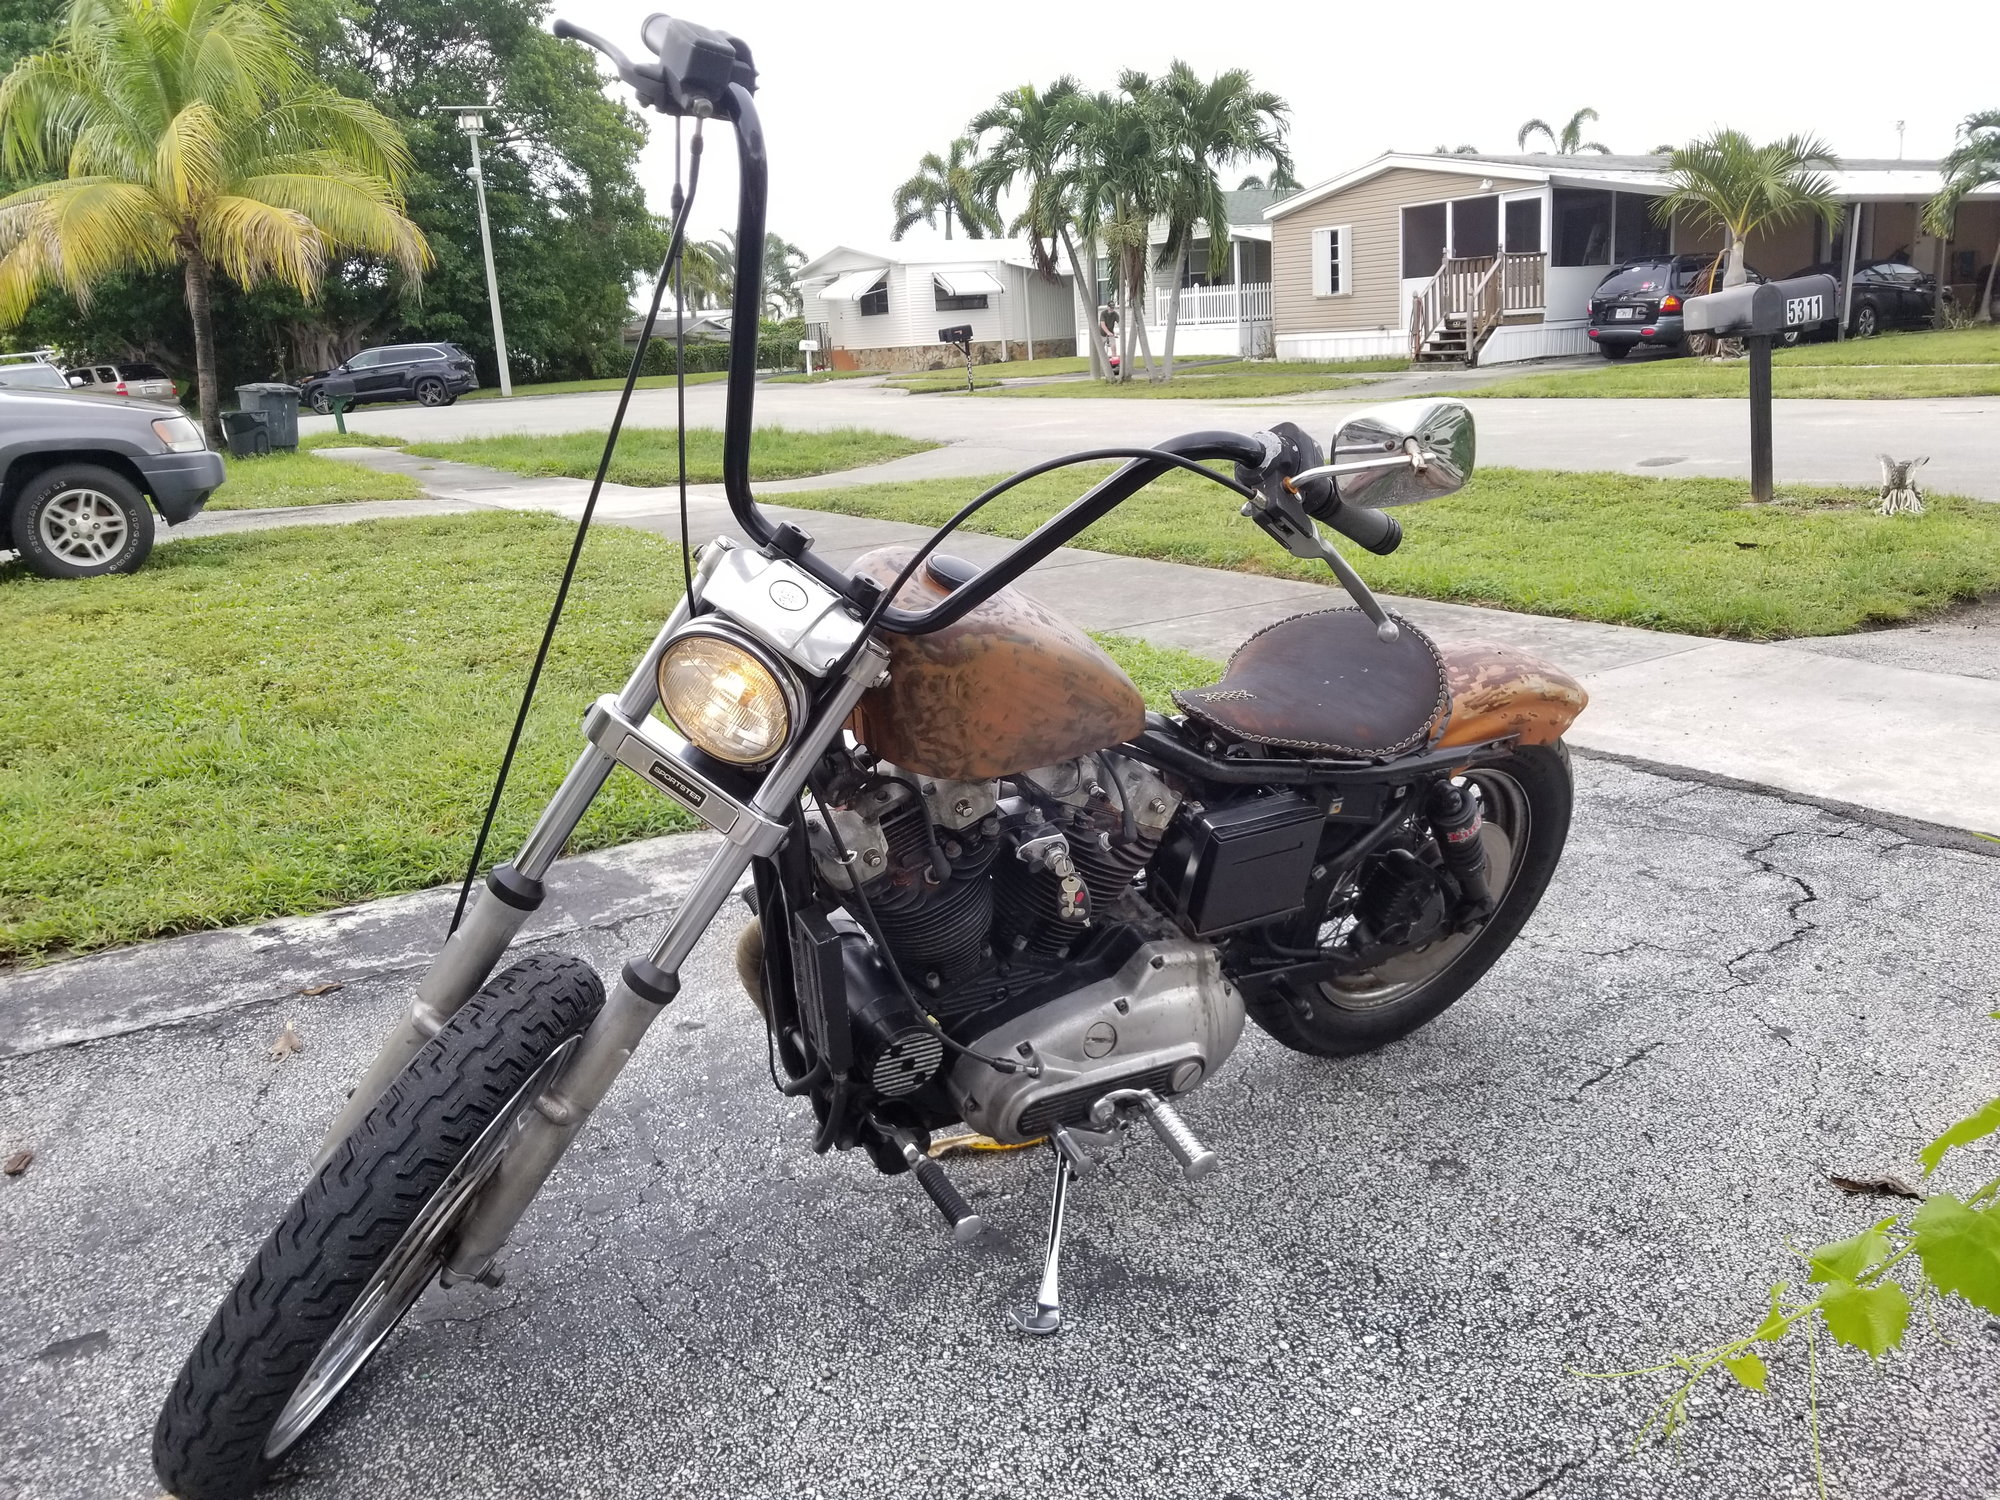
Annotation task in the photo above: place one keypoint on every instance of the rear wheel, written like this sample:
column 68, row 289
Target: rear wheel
column 369, row 1233
column 1614, row 351
column 1525, row 801
column 430, row 391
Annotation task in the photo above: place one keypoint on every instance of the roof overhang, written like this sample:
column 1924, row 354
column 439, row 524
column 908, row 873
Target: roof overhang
column 1454, row 166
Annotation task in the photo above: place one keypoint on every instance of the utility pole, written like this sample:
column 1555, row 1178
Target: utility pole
column 472, row 120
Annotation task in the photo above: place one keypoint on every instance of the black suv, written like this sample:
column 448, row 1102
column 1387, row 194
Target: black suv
column 429, row 374
column 1640, row 302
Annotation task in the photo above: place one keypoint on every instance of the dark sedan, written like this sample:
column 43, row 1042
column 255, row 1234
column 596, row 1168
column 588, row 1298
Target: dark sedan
column 1887, row 294
column 428, row 374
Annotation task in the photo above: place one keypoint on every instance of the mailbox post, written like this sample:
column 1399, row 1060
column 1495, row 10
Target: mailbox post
column 1758, row 314
column 960, row 337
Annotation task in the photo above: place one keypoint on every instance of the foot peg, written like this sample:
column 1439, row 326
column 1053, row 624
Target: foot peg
column 957, row 1213
column 1196, row 1160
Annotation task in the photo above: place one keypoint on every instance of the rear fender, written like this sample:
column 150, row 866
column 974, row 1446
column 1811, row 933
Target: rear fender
column 1498, row 690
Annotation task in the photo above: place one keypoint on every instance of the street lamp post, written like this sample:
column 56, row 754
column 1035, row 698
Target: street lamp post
column 472, row 120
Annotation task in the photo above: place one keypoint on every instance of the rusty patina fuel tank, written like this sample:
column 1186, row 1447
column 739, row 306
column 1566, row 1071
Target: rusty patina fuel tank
column 1010, row 687
column 1498, row 690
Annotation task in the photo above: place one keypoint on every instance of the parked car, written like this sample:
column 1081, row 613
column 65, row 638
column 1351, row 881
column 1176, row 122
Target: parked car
column 1887, row 294
column 77, row 471
column 429, row 374
column 135, row 380
column 1640, row 302
column 32, row 375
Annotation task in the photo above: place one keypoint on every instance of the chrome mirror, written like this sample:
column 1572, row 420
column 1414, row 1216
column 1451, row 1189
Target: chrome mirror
column 1436, row 436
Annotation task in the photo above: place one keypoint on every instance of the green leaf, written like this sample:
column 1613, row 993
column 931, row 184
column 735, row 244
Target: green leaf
column 1868, row 1317
column 1774, row 1326
column 1975, row 1126
column 1845, row 1260
column 1960, row 1249
column 1749, row 1371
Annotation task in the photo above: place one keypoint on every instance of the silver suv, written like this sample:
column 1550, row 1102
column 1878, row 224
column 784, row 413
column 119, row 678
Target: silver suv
column 77, row 472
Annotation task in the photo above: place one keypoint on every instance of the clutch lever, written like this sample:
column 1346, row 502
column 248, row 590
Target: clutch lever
column 645, row 79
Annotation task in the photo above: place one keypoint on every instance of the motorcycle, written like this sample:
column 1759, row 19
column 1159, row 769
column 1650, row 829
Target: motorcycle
column 990, row 889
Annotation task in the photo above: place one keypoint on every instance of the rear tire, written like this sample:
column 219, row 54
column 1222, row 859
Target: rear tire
column 430, row 391
column 330, row 1279
column 1326, row 1026
column 1614, row 351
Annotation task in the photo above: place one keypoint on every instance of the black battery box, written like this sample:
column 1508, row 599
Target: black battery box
column 1232, row 866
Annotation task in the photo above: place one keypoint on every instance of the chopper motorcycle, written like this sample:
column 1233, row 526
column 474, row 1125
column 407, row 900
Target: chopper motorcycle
column 990, row 889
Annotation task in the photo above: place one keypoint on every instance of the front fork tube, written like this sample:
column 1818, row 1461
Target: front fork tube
column 645, row 989
column 509, row 897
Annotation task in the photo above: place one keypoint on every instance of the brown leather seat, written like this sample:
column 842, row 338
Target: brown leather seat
column 1325, row 683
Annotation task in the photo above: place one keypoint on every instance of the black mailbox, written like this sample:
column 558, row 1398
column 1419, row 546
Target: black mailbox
column 1770, row 307
column 960, row 335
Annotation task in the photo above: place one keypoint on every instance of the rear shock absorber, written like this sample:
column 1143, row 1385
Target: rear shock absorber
column 1453, row 812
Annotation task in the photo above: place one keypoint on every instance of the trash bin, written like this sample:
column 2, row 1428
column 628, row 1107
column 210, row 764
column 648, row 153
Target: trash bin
column 248, row 433
column 280, row 405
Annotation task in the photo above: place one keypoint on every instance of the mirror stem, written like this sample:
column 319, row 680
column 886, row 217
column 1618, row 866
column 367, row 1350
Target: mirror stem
column 1359, row 466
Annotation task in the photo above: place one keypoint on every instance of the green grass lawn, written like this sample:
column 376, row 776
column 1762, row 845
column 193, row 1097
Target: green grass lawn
column 1683, row 378
column 286, row 479
column 942, row 384
column 286, row 721
column 1978, row 345
column 647, row 456
column 1670, row 554
column 818, row 377
column 607, row 383
column 310, row 442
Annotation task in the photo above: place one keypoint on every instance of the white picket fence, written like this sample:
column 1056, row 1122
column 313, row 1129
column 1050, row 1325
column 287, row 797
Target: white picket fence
column 1247, row 303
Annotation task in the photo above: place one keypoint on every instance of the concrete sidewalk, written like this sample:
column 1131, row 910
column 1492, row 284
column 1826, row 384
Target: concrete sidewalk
column 1793, row 717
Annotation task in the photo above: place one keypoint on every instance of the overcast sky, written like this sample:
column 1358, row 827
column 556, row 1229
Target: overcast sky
column 852, row 94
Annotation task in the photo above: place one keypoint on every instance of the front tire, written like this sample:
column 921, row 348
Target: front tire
column 1527, row 799
column 1867, row 322
column 322, row 403
column 368, row 1235
column 82, row 521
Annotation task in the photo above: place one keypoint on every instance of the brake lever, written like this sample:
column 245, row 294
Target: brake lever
column 644, row 78
column 1281, row 515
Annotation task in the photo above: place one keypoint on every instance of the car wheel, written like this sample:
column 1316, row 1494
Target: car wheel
column 1698, row 345
column 431, row 391
column 1614, row 351
column 81, row 521
column 1867, row 322
column 322, row 403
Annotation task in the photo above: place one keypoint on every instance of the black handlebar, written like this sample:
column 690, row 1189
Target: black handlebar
column 1377, row 530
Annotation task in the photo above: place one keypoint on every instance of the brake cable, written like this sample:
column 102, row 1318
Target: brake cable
column 676, row 243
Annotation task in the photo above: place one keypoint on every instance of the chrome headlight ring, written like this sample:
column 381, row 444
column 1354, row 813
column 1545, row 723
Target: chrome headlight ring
column 731, row 697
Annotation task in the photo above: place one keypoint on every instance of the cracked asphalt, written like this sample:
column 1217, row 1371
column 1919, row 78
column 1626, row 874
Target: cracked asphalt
column 1598, row 1157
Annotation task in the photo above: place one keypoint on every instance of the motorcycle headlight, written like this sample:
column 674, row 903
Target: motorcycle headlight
column 727, row 700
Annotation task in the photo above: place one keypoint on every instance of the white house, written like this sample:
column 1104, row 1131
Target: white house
column 880, row 307
column 1225, row 300
column 1411, row 256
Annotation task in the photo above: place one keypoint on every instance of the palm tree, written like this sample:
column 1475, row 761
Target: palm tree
column 1569, row 140
column 1205, row 127
column 191, row 133
column 1462, row 150
column 1281, row 180
column 1727, row 182
column 711, row 273
column 1116, row 177
column 1973, row 163
column 946, row 187
column 1034, row 134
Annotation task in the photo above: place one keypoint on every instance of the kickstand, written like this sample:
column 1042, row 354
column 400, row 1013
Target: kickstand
column 1070, row 1163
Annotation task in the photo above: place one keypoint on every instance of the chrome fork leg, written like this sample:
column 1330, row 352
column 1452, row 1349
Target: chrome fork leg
column 503, row 905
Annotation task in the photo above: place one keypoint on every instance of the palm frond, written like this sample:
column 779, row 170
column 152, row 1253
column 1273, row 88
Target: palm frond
column 248, row 240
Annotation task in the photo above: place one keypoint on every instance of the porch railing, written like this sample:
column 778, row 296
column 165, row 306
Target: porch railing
column 1243, row 302
column 1478, row 291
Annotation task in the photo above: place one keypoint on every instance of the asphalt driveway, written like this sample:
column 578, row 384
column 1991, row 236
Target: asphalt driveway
column 1830, row 442
column 1596, row 1157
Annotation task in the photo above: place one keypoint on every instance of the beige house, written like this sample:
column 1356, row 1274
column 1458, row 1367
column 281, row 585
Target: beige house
column 1496, row 256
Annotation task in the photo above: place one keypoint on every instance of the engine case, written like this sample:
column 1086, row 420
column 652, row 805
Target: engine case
column 1165, row 1021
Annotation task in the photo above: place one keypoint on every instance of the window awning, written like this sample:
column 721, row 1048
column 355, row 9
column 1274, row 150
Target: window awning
column 852, row 286
column 968, row 283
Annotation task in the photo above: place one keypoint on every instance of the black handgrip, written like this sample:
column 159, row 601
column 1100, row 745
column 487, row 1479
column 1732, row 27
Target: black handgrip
column 957, row 1213
column 1376, row 530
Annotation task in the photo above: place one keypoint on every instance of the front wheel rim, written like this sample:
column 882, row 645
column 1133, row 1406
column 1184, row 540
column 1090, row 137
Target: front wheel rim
column 406, row 1271
column 83, row 527
column 1508, row 822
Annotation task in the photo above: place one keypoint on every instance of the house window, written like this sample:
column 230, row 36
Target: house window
column 875, row 301
column 1581, row 231
column 948, row 303
column 1332, row 268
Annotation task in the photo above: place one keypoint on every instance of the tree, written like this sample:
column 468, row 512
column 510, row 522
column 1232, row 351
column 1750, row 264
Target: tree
column 711, row 273
column 1205, row 127
column 1034, row 133
column 946, row 188
column 1281, row 180
column 193, row 135
column 1116, row 180
column 1971, row 164
column 1459, row 150
column 1727, row 182
column 1569, row 140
